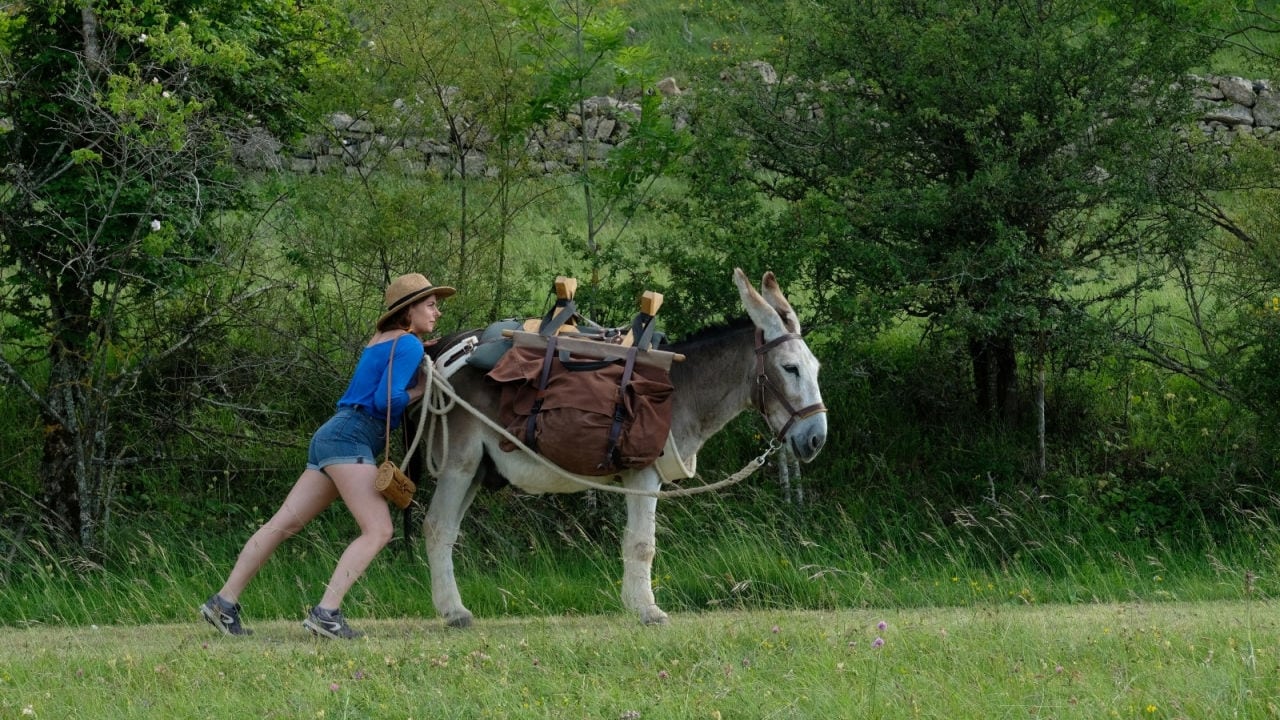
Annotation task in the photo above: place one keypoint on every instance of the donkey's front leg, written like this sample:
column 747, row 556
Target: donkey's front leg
column 454, row 493
column 638, row 549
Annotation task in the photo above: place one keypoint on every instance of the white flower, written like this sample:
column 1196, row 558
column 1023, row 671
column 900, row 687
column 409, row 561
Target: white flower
column 155, row 226
column 142, row 38
column 165, row 94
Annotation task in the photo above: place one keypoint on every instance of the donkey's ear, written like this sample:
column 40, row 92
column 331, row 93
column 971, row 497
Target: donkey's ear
column 762, row 314
column 773, row 295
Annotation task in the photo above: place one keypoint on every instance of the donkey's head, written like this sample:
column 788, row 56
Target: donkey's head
column 786, row 391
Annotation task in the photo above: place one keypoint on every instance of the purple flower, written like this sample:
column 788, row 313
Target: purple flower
column 882, row 625
column 333, row 687
column 878, row 642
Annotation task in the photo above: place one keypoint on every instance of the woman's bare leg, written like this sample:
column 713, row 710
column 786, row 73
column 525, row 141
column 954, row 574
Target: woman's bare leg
column 355, row 484
column 313, row 492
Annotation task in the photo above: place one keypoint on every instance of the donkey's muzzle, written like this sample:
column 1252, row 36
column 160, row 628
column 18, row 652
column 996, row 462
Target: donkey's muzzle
column 808, row 436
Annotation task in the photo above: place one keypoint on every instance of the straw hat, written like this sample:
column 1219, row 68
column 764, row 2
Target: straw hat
column 408, row 289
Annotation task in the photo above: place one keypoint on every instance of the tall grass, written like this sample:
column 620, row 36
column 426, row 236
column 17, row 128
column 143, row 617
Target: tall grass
column 743, row 553
column 777, row 614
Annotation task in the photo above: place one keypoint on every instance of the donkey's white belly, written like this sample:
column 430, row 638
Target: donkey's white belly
column 532, row 475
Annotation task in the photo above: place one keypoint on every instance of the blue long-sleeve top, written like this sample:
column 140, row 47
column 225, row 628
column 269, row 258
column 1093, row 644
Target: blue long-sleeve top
column 368, row 387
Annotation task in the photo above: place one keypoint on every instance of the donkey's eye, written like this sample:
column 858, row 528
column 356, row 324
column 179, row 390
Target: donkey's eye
column 792, row 369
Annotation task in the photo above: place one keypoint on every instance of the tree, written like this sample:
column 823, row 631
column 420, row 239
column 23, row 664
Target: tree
column 1227, row 339
column 450, row 72
column 576, row 51
column 987, row 167
column 116, row 163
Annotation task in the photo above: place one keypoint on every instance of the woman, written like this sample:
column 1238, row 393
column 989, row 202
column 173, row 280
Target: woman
column 342, row 461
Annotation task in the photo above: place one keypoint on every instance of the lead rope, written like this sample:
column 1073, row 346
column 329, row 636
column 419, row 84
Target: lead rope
column 440, row 398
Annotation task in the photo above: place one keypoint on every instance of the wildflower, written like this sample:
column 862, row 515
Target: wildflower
column 878, row 642
column 882, row 625
column 630, row 715
column 775, row 630
column 142, row 38
column 334, row 687
column 1151, row 709
column 1058, row 669
column 29, row 711
column 663, row 675
column 165, row 94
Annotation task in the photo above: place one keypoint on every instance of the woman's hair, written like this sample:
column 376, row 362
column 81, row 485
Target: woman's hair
column 399, row 321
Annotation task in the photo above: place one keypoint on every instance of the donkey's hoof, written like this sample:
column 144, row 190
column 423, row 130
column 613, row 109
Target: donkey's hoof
column 653, row 615
column 460, row 620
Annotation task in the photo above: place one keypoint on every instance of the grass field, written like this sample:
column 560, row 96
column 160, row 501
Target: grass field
column 1162, row 660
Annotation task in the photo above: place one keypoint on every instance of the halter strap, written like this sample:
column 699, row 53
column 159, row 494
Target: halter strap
column 764, row 382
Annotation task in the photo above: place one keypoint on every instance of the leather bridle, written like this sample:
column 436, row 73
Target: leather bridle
column 764, row 383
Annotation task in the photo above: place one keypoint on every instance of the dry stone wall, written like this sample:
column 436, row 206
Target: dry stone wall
column 354, row 144
column 1235, row 107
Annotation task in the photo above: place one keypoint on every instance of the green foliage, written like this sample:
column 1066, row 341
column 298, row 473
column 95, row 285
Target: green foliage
column 119, row 161
column 941, row 167
column 943, row 161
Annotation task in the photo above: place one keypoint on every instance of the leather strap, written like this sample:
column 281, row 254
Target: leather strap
column 531, row 424
column 391, row 363
column 620, row 409
column 556, row 317
column 765, row 383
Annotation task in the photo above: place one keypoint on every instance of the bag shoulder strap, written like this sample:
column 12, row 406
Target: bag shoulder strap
column 391, row 363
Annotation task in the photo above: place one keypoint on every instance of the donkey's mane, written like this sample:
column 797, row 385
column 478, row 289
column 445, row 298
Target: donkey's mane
column 710, row 336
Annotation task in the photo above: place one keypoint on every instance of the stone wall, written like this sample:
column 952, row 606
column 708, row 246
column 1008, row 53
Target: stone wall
column 353, row 144
column 1232, row 107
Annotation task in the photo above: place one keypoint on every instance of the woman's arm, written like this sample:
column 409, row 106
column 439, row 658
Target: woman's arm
column 404, row 373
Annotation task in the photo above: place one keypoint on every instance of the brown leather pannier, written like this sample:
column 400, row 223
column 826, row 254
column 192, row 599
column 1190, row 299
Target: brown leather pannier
column 595, row 417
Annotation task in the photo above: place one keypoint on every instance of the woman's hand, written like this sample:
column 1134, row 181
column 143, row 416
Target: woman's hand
column 416, row 387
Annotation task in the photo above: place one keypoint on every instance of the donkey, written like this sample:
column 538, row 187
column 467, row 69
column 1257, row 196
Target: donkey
column 765, row 365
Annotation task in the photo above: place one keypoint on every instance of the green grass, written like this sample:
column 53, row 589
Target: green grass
column 1212, row 660
column 530, row 557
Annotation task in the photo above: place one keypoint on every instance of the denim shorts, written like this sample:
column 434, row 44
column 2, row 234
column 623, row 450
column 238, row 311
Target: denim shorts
column 350, row 437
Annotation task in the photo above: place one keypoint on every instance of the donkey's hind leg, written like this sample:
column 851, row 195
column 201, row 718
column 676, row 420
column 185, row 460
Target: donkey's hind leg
column 639, row 547
column 455, row 489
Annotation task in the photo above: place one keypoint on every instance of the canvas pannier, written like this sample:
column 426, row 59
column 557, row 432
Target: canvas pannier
column 589, row 416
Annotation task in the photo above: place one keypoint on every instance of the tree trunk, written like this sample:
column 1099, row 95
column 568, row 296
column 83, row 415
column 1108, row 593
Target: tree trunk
column 1042, row 452
column 995, row 378
column 67, row 465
